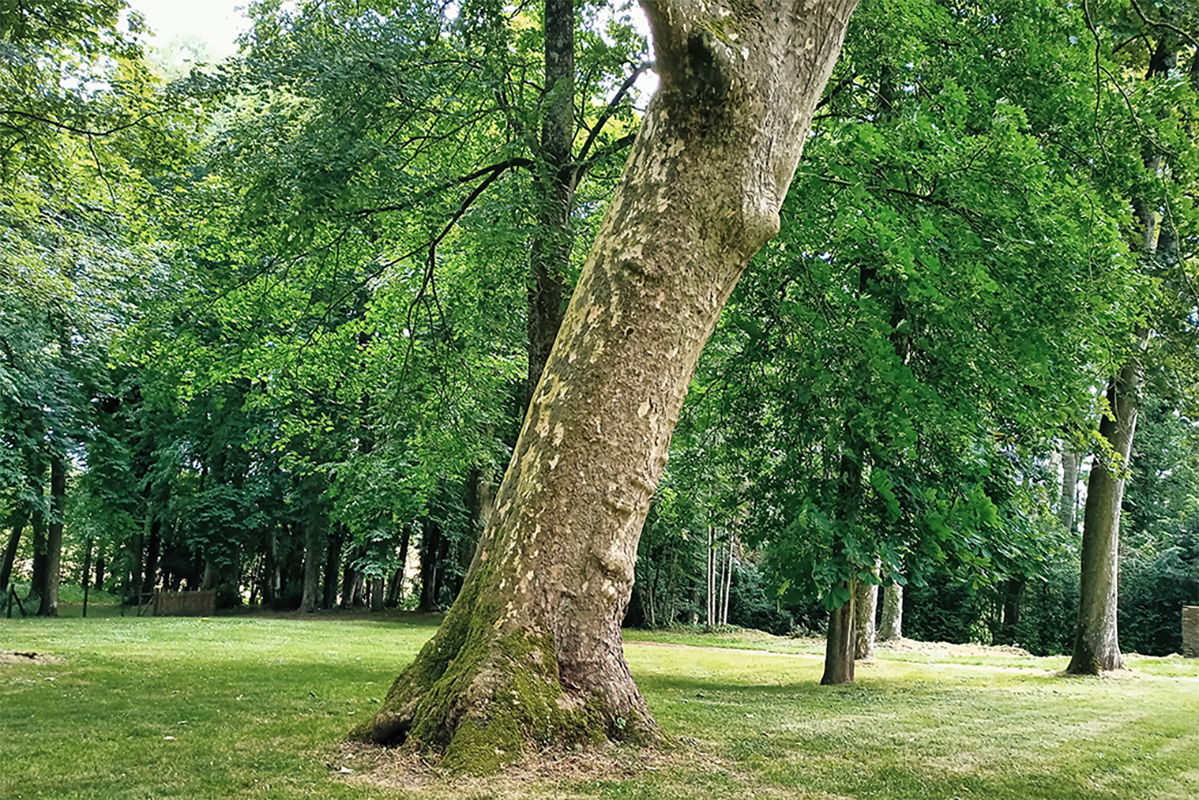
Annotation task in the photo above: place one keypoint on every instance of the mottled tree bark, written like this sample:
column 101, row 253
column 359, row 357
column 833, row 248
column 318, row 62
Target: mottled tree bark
column 531, row 650
column 890, row 623
column 1065, row 512
column 865, row 603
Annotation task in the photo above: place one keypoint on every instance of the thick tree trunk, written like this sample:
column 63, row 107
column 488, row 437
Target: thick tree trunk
column 531, row 650
column 52, row 577
column 890, row 624
column 839, row 644
column 1096, row 642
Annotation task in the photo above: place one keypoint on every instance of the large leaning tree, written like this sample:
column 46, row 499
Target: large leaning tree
column 531, row 650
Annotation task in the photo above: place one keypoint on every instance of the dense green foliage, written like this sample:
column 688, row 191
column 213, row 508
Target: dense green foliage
column 271, row 318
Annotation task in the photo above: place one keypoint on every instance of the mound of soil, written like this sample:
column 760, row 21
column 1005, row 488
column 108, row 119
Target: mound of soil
column 16, row 657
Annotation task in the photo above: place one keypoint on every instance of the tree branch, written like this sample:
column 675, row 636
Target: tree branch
column 610, row 110
column 494, row 171
column 1163, row 25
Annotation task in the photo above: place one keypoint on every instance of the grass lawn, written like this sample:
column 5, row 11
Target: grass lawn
column 255, row 707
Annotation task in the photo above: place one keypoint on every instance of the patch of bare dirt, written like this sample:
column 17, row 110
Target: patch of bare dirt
column 551, row 773
column 17, row 657
column 949, row 650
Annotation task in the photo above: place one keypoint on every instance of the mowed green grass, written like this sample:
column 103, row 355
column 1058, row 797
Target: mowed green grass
column 247, row 707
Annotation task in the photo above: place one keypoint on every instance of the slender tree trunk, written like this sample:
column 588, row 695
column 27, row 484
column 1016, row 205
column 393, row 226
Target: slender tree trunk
column 48, row 594
column 100, row 564
column 332, row 567
column 839, row 645
column 38, row 523
column 710, row 594
column 19, row 518
column 429, row 565
column 890, row 626
column 1096, row 642
column 728, row 583
column 1013, row 593
column 395, row 592
column 376, row 594
column 1065, row 512
column 152, row 551
column 531, row 650
column 270, row 569
column 552, row 245
column 313, row 552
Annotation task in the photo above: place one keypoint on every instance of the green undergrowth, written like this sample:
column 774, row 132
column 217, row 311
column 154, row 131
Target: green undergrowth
column 248, row 707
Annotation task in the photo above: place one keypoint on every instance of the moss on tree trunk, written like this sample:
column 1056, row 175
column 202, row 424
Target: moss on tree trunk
column 531, row 650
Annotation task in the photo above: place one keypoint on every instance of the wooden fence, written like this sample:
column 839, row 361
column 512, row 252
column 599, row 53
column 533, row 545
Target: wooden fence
column 184, row 604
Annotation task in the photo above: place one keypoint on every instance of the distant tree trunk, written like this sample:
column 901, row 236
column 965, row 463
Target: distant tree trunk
column 430, row 550
column 313, row 552
column 48, row 593
column 377, row 594
column 38, row 523
column 1065, row 513
column 531, row 650
column 551, row 247
column 395, row 591
column 332, row 566
column 100, row 565
column 890, row 625
column 1013, row 593
column 349, row 576
column 865, row 606
column 133, row 589
column 86, row 574
column 728, row 582
column 153, row 548
column 1096, row 641
column 270, row 569
column 839, row 645
column 19, row 518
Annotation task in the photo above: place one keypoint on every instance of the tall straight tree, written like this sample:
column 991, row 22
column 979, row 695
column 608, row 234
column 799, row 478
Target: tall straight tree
column 1159, row 218
column 531, row 649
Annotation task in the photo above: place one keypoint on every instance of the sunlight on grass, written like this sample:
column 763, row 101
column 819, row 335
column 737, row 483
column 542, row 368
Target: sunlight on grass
column 243, row 707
